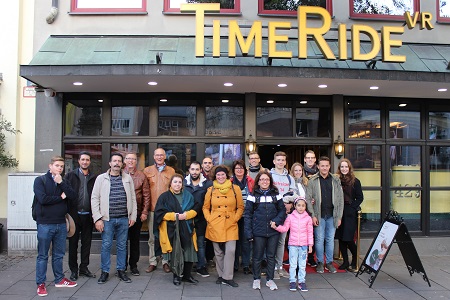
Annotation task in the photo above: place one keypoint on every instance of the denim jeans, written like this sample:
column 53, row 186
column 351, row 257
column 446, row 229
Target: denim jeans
column 201, row 258
column 325, row 233
column 119, row 228
column 243, row 247
column 263, row 245
column 47, row 234
column 297, row 256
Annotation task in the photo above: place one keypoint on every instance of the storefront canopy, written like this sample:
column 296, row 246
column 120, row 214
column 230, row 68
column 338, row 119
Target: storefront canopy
column 128, row 63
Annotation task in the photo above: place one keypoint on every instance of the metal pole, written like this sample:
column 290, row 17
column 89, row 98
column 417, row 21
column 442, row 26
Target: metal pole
column 358, row 240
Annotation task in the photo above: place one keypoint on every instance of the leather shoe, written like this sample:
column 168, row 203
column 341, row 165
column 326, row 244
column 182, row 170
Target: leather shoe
column 87, row 273
column 103, row 277
column 176, row 280
column 74, row 276
column 247, row 271
column 189, row 279
column 123, row 276
column 150, row 269
column 166, row 268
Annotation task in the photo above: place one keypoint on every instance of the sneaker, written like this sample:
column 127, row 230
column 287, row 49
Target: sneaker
column 219, row 280
column 66, row 283
column 319, row 268
column 135, row 272
column 302, row 286
column 283, row 273
column 292, row 286
column 312, row 263
column 257, row 284
column 230, row 282
column 330, row 268
column 41, row 290
column 271, row 285
column 203, row 272
column 276, row 274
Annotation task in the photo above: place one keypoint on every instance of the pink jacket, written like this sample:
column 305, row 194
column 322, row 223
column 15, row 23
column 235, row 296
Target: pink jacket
column 301, row 227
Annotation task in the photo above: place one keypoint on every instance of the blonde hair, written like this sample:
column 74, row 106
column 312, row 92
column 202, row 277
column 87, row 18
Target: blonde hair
column 304, row 179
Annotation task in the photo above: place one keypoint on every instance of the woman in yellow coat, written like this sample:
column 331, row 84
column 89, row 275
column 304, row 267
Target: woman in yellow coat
column 223, row 207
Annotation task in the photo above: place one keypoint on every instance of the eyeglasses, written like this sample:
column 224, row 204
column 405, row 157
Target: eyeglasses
column 254, row 158
column 130, row 158
column 239, row 168
column 159, row 155
column 312, row 157
column 264, row 179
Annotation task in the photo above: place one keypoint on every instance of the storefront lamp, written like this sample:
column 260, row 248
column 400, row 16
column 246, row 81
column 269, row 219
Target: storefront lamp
column 250, row 144
column 339, row 147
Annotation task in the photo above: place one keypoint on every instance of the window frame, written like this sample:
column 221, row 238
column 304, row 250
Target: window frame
column 236, row 10
column 262, row 11
column 440, row 19
column 353, row 15
column 74, row 9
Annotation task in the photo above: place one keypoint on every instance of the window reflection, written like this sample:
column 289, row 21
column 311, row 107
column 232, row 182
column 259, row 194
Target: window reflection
column 370, row 209
column 129, row 120
column 183, row 154
column 312, row 122
column 439, row 210
column 404, row 124
column 274, row 121
column 71, row 156
column 224, row 121
column 366, row 160
column 439, row 125
column 364, row 123
column 223, row 153
column 83, row 120
column 141, row 151
column 177, row 120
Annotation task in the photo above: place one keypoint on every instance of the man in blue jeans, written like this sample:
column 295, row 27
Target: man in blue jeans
column 196, row 184
column 326, row 191
column 52, row 194
column 114, row 210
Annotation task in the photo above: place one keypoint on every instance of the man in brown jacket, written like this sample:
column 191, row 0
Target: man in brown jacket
column 142, row 190
column 158, row 176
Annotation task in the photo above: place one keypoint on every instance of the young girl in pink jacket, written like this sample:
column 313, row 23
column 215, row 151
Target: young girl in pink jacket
column 300, row 242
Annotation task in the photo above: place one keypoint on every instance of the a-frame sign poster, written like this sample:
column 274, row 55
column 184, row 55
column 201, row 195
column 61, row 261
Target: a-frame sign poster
column 393, row 230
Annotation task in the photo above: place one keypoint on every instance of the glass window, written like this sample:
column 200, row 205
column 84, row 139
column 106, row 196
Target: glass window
column 224, row 121
column 439, row 210
column 439, row 125
column 71, row 156
column 83, row 119
column 364, row 123
column 404, row 124
column 387, row 9
column 443, row 11
column 130, row 120
column 224, row 153
column 439, row 166
column 101, row 6
column 289, row 7
column 140, row 149
column 179, row 156
column 274, row 121
column 228, row 6
column 177, row 120
column 312, row 122
column 370, row 208
column 366, row 161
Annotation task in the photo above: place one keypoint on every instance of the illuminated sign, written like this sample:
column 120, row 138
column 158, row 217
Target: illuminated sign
column 384, row 42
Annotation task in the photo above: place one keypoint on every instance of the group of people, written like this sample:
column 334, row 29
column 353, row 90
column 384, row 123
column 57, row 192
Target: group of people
column 239, row 214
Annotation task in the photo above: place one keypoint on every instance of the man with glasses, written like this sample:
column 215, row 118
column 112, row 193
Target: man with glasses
column 158, row 176
column 254, row 164
column 310, row 168
column 142, row 191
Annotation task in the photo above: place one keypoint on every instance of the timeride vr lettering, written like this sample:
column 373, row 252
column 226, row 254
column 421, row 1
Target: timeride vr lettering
column 384, row 42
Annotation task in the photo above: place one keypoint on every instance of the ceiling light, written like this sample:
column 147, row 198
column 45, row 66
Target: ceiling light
column 270, row 101
column 100, row 100
column 322, row 86
column 163, row 100
column 225, row 100
column 303, row 102
column 374, row 88
column 282, row 85
column 228, row 84
column 402, row 104
column 442, row 90
column 77, row 83
column 152, row 83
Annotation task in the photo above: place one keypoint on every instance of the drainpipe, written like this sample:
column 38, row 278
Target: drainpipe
column 53, row 12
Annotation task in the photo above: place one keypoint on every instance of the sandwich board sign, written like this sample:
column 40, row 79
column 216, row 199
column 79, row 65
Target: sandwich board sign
column 393, row 230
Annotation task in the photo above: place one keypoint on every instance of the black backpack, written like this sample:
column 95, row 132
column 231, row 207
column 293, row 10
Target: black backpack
column 33, row 206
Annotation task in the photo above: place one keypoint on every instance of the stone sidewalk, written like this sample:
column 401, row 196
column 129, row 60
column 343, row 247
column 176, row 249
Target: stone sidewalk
column 17, row 281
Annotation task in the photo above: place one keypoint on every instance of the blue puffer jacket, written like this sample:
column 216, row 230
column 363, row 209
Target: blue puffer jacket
column 258, row 214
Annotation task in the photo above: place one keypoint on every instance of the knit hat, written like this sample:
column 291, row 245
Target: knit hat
column 299, row 198
column 220, row 169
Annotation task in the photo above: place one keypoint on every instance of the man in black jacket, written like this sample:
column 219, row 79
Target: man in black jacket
column 82, row 181
column 196, row 184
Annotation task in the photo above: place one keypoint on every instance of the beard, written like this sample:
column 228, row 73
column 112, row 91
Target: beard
column 195, row 176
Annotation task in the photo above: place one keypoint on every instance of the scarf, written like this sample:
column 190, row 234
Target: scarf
column 240, row 184
column 310, row 171
column 161, row 168
column 224, row 187
column 254, row 169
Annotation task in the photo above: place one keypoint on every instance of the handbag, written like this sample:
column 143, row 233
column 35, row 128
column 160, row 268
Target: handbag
column 177, row 257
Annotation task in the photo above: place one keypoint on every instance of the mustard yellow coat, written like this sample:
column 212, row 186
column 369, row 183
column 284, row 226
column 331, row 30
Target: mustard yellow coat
column 222, row 213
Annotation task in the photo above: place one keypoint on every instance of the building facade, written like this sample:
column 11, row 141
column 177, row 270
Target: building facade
column 137, row 75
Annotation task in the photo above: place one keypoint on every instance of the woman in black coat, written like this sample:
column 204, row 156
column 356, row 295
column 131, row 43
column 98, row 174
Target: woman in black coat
column 263, row 206
column 353, row 197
